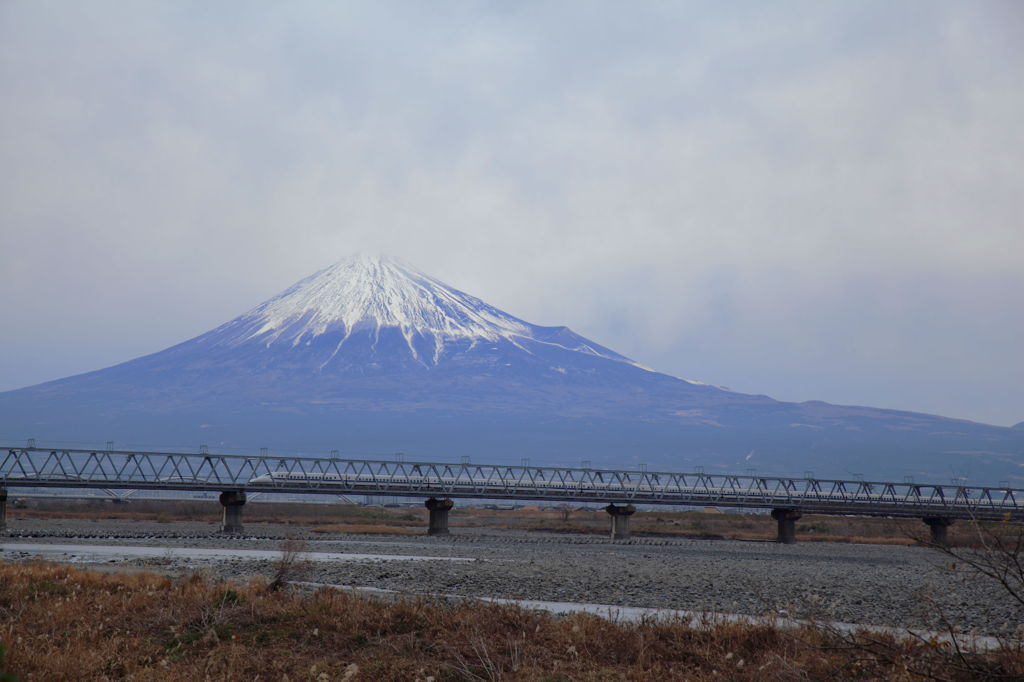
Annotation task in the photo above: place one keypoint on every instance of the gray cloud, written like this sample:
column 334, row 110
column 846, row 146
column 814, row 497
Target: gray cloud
column 809, row 200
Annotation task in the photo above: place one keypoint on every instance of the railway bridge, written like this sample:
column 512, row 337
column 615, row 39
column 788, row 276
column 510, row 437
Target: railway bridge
column 439, row 483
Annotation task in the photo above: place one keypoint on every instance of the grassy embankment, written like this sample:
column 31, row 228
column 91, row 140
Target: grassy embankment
column 62, row 623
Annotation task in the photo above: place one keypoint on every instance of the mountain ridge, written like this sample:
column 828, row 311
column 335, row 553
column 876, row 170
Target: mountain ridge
column 371, row 354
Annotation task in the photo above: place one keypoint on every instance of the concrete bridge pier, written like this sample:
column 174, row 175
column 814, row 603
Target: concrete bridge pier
column 3, row 510
column 787, row 518
column 620, row 520
column 939, row 526
column 438, row 515
column 232, row 501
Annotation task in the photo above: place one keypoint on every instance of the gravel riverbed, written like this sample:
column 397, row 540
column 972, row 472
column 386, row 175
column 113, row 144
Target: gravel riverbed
column 870, row 584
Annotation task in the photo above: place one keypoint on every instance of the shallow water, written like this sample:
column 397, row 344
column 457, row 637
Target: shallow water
column 83, row 553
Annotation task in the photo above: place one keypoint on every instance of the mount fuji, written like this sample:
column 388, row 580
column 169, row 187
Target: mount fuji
column 372, row 356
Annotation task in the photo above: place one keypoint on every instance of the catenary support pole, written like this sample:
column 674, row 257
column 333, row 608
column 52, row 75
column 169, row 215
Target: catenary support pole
column 438, row 515
column 232, row 501
column 3, row 509
column 787, row 519
column 939, row 526
column 620, row 519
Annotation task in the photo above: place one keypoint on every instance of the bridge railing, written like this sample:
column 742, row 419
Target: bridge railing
column 43, row 467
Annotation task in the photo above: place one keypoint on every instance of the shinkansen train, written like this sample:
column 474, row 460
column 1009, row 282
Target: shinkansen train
column 650, row 483
column 421, row 479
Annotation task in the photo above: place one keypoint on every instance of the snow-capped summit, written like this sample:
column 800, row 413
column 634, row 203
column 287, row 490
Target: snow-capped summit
column 383, row 295
column 379, row 292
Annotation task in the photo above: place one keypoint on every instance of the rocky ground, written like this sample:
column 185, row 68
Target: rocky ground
column 871, row 584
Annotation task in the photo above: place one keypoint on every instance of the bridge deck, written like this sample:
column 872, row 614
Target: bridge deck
column 125, row 469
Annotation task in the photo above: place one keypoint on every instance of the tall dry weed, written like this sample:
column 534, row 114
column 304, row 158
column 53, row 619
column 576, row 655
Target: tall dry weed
column 292, row 563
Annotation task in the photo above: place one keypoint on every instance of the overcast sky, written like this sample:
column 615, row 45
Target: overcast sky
column 811, row 200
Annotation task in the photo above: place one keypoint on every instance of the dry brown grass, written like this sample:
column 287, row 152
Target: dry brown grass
column 62, row 623
column 372, row 528
column 715, row 525
column 413, row 520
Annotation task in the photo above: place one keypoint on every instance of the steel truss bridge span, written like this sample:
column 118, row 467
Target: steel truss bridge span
column 126, row 469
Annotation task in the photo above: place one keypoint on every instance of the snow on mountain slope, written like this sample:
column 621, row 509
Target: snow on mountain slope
column 373, row 294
